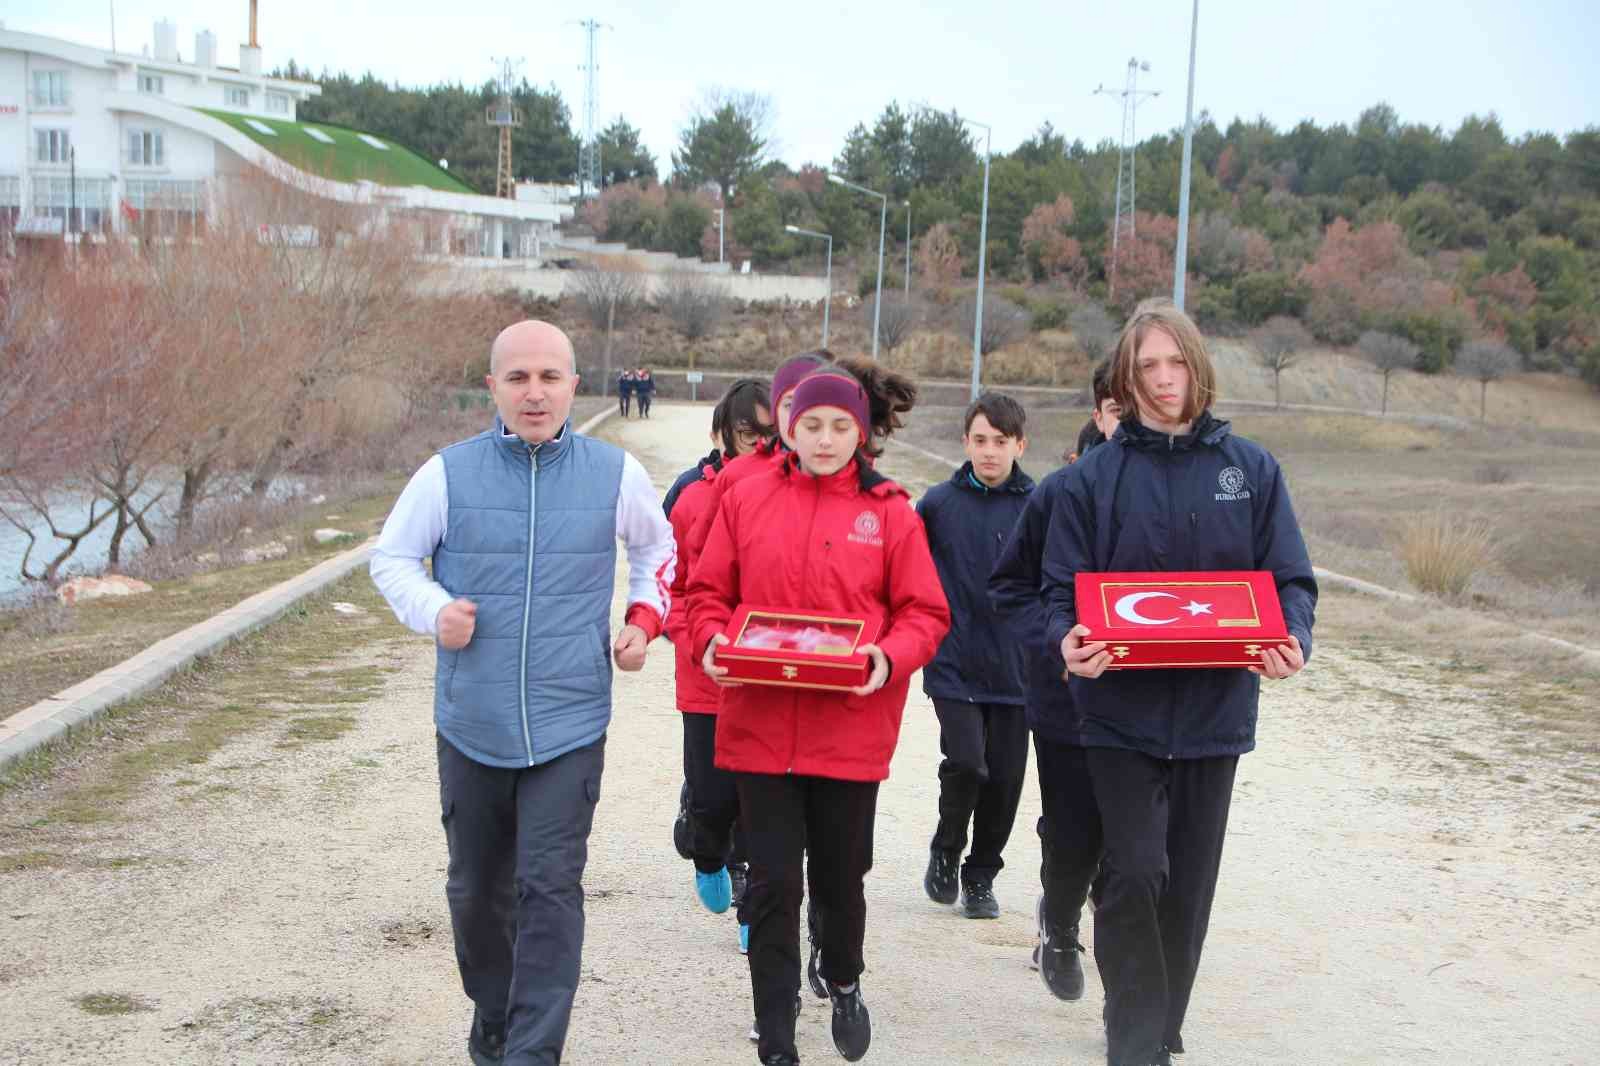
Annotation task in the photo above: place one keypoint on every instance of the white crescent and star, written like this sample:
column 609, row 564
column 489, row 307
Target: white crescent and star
column 1127, row 608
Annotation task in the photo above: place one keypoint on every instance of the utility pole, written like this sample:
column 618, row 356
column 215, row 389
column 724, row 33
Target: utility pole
column 504, row 115
column 590, row 173
column 1180, row 259
column 1132, row 96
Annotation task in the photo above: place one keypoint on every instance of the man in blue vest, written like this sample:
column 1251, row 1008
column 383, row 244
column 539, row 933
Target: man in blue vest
column 521, row 523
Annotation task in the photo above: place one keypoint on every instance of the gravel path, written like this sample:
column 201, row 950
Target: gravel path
column 1407, row 880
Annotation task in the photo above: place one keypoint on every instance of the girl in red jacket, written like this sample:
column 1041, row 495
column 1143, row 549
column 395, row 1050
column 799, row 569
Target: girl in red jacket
column 822, row 531
column 708, row 801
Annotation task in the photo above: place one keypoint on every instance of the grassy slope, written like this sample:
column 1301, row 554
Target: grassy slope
column 347, row 159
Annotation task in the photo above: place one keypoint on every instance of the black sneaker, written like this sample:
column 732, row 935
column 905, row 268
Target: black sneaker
column 780, row 1060
column 682, row 830
column 1057, row 958
column 486, row 1043
column 740, row 876
column 819, row 987
column 977, row 898
column 852, row 1025
column 942, row 881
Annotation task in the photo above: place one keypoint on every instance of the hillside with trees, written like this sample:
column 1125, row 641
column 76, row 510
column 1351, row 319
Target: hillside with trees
column 1438, row 238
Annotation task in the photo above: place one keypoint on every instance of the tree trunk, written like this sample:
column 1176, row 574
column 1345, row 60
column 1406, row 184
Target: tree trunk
column 1483, row 401
column 1385, row 409
column 611, row 323
column 194, row 483
column 114, row 552
column 1277, row 388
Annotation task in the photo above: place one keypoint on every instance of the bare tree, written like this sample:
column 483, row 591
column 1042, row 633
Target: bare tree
column 1387, row 353
column 1094, row 331
column 1278, row 343
column 1485, row 361
column 897, row 321
column 693, row 302
column 607, row 299
column 1003, row 323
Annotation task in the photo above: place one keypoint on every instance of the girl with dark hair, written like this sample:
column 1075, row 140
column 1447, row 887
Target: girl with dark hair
column 705, row 831
column 820, row 530
column 1173, row 489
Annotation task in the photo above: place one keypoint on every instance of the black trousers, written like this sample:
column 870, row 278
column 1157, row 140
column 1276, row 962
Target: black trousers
column 1070, row 837
column 1164, row 825
column 786, row 817
column 519, row 840
column 645, row 399
column 622, row 403
column 713, row 798
column 985, row 748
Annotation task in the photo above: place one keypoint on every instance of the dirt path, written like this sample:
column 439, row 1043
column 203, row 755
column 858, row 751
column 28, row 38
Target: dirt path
column 1410, row 878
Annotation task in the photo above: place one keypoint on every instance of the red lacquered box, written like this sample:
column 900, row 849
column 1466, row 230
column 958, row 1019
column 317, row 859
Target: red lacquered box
column 1176, row 619
column 797, row 649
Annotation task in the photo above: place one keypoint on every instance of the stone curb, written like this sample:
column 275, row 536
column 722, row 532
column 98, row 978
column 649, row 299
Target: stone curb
column 54, row 716
column 1353, row 584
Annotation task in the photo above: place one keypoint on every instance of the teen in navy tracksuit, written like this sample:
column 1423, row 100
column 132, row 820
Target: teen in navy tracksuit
column 976, row 682
column 1173, row 490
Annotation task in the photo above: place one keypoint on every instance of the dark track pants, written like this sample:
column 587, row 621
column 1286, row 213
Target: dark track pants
column 827, row 823
column 518, row 840
column 1070, row 839
column 1164, row 825
column 985, row 748
column 713, row 797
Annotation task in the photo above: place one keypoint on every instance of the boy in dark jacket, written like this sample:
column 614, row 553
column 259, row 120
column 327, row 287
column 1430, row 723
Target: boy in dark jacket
column 978, row 678
column 1173, row 490
column 644, row 387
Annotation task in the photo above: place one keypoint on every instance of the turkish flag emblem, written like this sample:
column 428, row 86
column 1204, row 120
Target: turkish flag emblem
column 1153, row 605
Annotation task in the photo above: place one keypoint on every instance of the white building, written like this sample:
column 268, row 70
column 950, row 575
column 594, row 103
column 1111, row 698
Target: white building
column 93, row 141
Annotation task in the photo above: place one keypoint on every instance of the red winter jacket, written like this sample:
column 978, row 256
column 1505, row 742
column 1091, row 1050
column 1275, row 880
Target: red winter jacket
column 851, row 543
column 769, row 455
column 697, row 693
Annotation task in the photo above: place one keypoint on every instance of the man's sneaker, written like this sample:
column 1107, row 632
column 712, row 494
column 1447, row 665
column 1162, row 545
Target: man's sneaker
column 852, row 1025
column 486, row 1043
column 715, row 890
column 740, row 876
column 977, row 898
column 744, row 939
column 819, row 987
column 1058, row 958
column 682, row 828
column 942, row 881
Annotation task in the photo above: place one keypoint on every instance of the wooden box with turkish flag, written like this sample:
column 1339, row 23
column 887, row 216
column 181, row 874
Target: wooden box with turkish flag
column 1200, row 619
column 797, row 648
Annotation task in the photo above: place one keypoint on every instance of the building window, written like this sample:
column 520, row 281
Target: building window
column 51, row 146
column 83, row 209
column 151, row 83
column 237, row 97
column 10, row 201
column 277, row 104
column 161, row 208
column 50, row 88
column 145, row 148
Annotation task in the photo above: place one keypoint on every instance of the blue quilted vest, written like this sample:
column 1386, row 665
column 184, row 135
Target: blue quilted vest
column 535, row 680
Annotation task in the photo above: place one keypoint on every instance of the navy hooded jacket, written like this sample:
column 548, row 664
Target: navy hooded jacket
column 1014, row 595
column 968, row 524
column 1206, row 500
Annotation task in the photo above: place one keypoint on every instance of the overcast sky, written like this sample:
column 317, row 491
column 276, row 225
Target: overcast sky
column 1011, row 63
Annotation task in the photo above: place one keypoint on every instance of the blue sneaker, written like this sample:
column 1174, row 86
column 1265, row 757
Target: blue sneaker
column 715, row 890
column 744, row 939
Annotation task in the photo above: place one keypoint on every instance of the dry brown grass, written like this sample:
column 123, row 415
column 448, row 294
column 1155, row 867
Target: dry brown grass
column 1443, row 552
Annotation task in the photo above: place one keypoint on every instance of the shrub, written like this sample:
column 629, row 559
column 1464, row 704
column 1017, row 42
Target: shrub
column 1050, row 314
column 1258, row 297
column 1494, row 474
column 1442, row 552
column 693, row 302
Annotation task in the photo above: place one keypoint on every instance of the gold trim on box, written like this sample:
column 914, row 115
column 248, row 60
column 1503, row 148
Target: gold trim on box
column 859, row 624
column 1105, row 605
column 791, row 684
column 793, row 662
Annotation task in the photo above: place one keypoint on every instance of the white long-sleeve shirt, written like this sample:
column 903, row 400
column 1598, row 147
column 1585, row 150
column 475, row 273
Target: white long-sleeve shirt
column 421, row 515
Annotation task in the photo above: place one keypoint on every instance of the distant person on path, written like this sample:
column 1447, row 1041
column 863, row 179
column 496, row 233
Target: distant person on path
column 625, row 387
column 979, row 678
column 644, row 386
column 521, row 523
column 1172, row 490
column 709, row 835
column 824, row 532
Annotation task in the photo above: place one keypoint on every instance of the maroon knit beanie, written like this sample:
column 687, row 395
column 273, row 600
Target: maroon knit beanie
column 788, row 376
column 832, row 388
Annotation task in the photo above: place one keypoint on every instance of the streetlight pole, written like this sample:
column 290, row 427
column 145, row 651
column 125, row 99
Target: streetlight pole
column 883, row 220
column 983, row 249
column 908, row 249
column 827, row 298
column 1180, row 259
